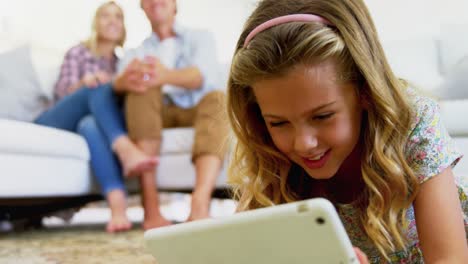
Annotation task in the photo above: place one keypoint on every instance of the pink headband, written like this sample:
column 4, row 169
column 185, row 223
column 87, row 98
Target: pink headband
column 282, row 20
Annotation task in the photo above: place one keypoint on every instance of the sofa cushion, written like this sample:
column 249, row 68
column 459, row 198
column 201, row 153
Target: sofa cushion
column 177, row 140
column 31, row 139
column 21, row 97
column 453, row 45
column 28, row 176
column 415, row 60
column 46, row 62
column 452, row 112
column 455, row 84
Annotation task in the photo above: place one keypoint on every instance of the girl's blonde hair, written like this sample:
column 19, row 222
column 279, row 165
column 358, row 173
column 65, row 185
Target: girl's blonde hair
column 92, row 42
column 260, row 174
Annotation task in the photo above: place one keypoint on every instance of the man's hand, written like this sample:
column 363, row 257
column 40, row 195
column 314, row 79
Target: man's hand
column 132, row 79
column 154, row 72
column 141, row 75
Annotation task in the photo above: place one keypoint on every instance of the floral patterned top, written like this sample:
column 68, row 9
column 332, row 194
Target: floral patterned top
column 429, row 151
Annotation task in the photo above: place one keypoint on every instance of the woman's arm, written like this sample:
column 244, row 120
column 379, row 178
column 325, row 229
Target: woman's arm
column 69, row 78
column 439, row 220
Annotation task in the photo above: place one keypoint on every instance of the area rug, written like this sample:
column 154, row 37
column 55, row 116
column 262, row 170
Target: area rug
column 73, row 244
column 83, row 240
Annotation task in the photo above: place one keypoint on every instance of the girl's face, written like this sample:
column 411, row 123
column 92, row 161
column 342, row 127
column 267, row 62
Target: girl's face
column 110, row 26
column 159, row 11
column 313, row 118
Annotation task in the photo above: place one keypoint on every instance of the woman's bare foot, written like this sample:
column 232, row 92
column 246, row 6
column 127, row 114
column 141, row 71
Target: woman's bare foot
column 118, row 223
column 134, row 161
column 155, row 223
column 118, row 205
column 140, row 166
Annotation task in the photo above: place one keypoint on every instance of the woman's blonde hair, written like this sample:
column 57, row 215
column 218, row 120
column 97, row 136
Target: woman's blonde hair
column 92, row 42
column 261, row 174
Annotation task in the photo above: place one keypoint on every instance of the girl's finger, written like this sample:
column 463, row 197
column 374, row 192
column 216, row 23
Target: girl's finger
column 361, row 256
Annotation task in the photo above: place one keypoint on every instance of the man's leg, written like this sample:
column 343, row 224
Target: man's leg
column 150, row 194
column 207, row 168
column 211, row 133
column 107, row 170
column 144, row 122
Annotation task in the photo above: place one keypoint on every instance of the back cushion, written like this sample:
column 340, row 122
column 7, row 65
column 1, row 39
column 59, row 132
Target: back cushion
column 455, row 85
column 453, row 46
column 46, row 63
column 21, row 97
column 415, row 60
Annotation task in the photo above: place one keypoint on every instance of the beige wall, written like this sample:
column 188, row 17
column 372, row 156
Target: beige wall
column 400, row 19
column 61, row 23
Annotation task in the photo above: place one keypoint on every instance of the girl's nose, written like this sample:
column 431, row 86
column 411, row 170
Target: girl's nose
column 305, row 141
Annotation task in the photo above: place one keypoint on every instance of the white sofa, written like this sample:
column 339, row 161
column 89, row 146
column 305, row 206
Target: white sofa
column 50, row 167
column 48, row 162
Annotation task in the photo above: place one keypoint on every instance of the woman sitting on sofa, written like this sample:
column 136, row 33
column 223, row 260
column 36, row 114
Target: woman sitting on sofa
column 83, row 90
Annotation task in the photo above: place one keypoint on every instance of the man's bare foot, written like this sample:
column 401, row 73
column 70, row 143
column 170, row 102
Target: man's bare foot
column 118, row 224
column 198, row 215
column 200, row 209
column 134, row 161
column 195, row 217
column 155, row 223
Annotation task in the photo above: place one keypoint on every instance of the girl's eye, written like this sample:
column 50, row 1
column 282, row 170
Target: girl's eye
column 324, row 116
column 277, row 124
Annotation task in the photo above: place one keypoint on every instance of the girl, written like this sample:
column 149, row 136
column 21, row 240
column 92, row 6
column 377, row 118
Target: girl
column 318, row 112
column 82, row 89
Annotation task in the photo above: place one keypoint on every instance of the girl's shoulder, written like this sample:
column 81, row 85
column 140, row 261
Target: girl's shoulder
column 424, row 108
column 429, row 148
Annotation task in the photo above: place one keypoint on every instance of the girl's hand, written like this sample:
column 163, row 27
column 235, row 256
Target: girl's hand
column 361, row 256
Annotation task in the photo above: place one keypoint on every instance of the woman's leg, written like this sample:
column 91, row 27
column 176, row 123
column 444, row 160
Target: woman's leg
column 67, row 113
column 107, row 170
column 103, row 103
column 107, row 112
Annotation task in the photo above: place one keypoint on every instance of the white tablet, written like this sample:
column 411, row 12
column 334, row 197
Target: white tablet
column 305, row 232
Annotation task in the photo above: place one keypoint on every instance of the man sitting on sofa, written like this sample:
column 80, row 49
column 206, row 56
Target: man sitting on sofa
column 175, row 89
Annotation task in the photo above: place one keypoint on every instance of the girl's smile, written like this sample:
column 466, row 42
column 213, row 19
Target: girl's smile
column 317, row 161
